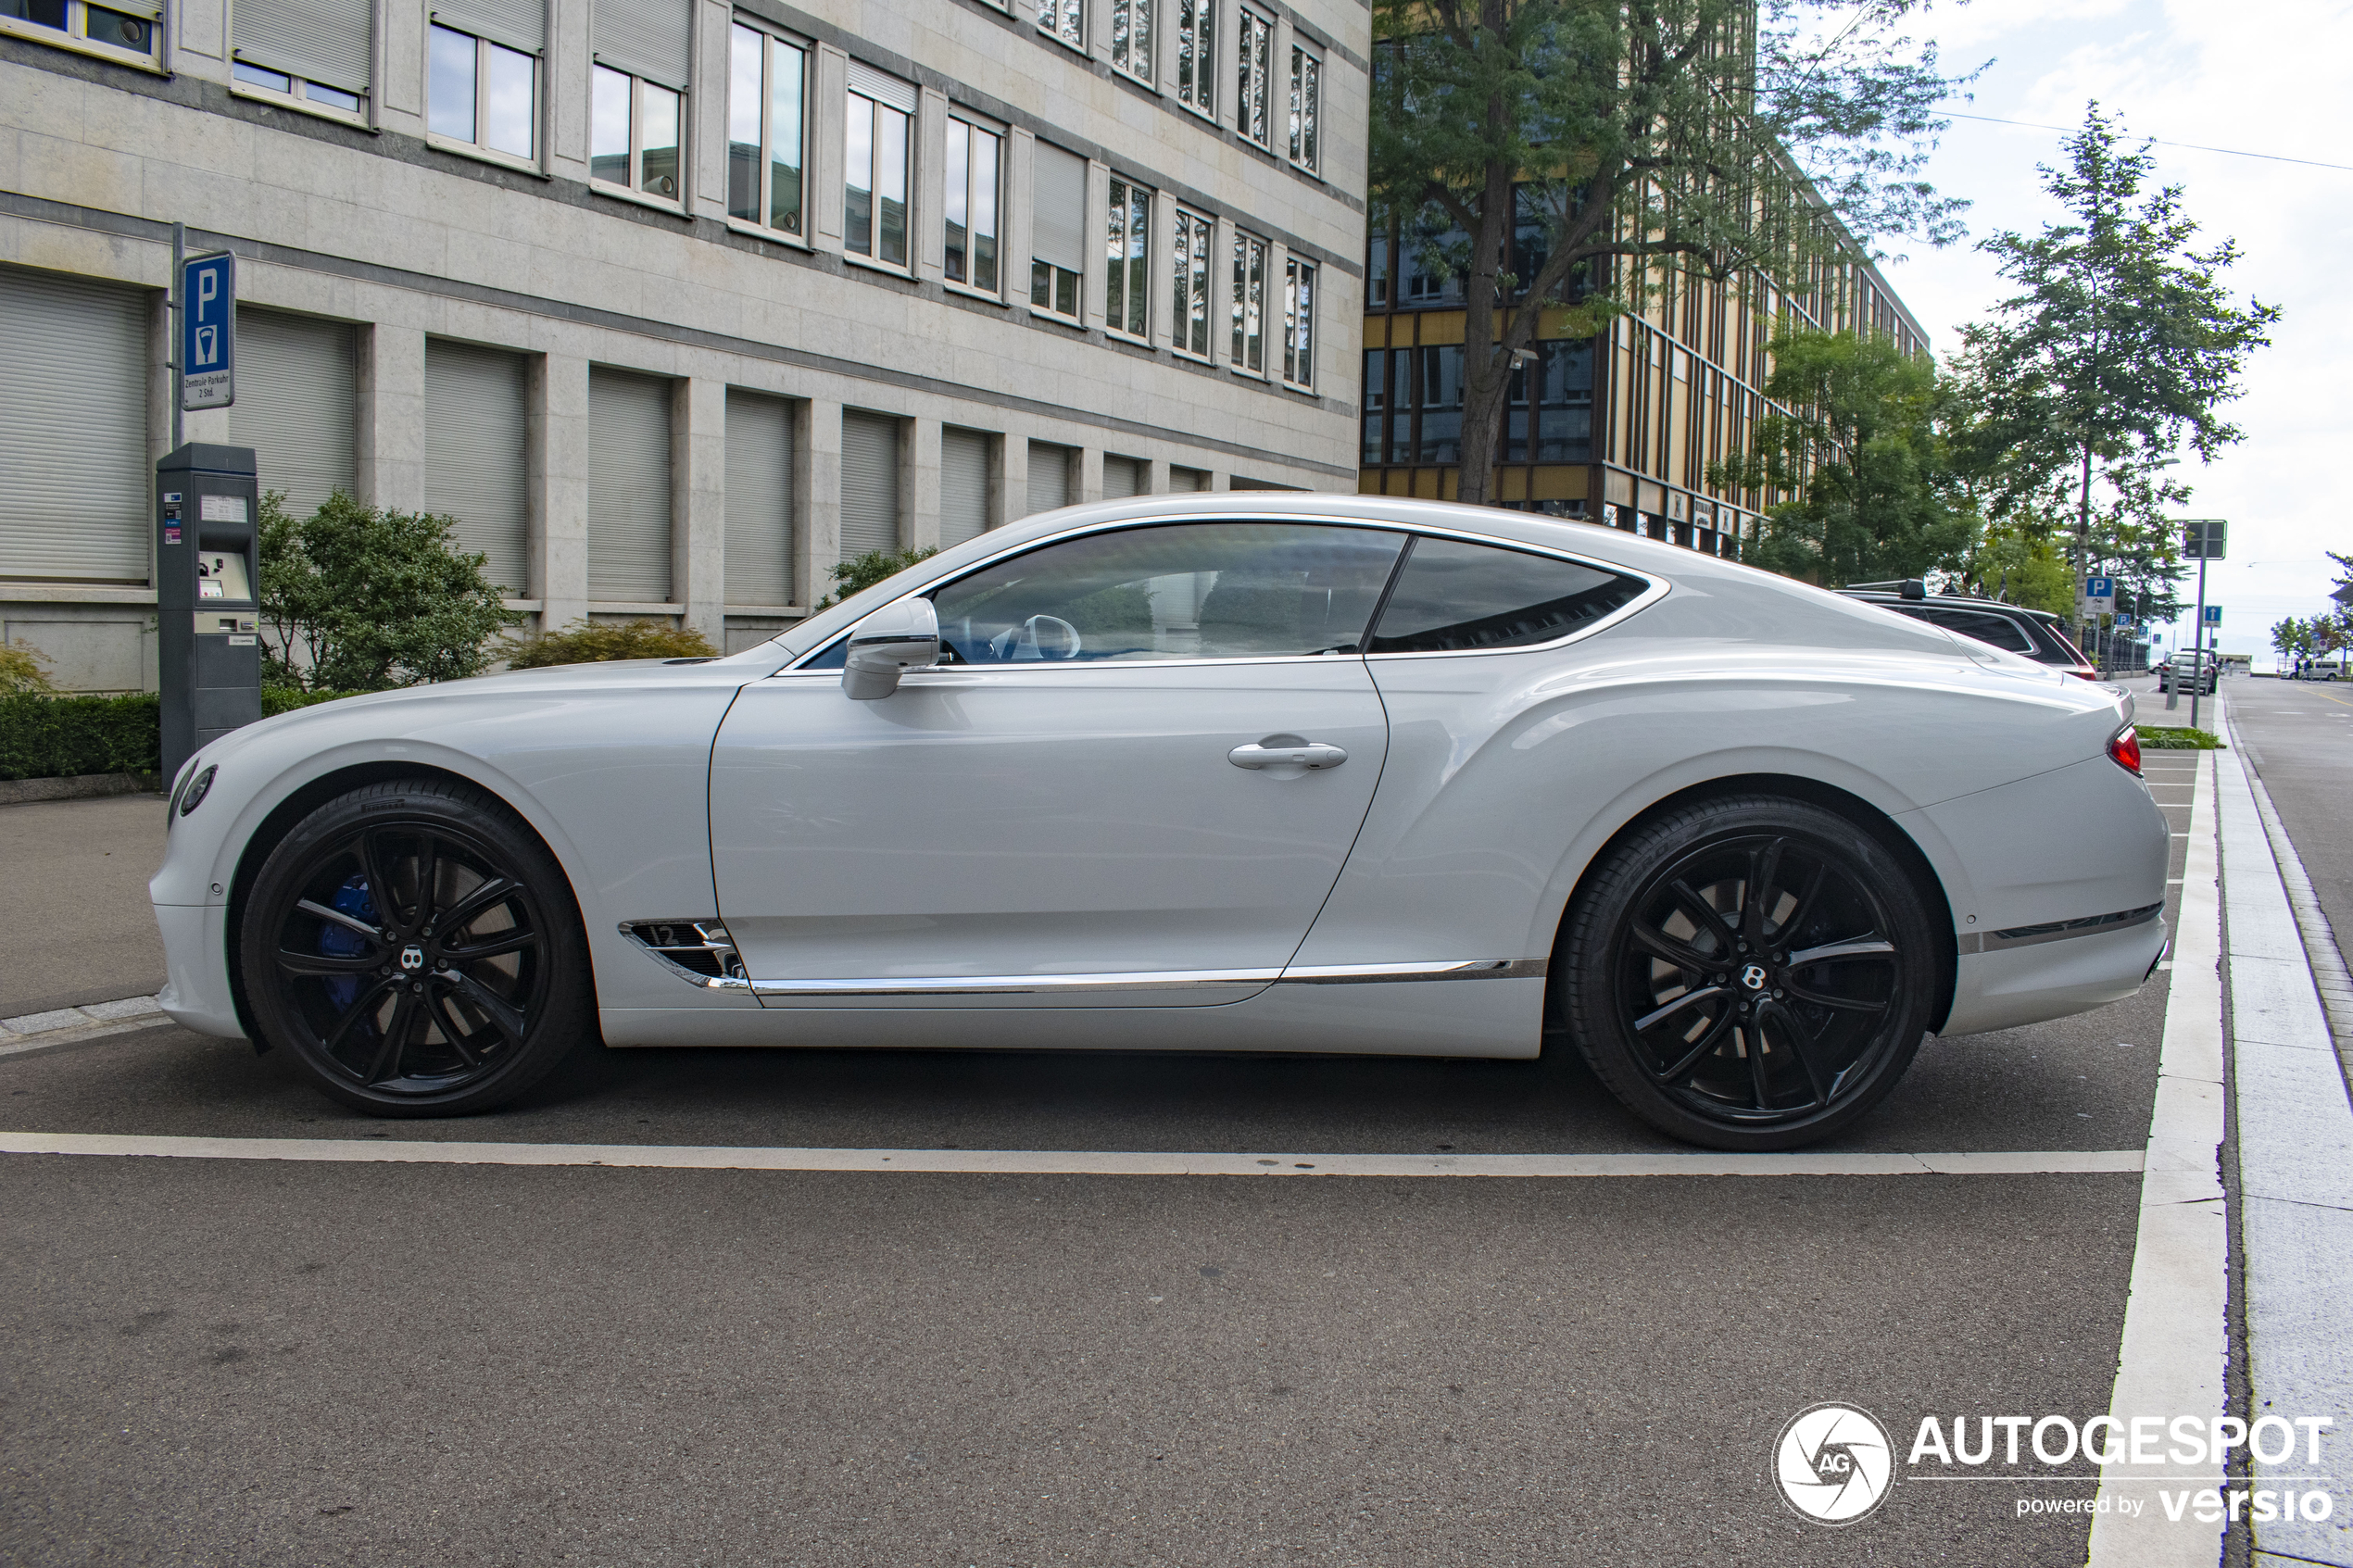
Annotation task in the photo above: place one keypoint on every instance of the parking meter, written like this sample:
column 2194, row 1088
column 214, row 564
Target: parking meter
column 208, row 595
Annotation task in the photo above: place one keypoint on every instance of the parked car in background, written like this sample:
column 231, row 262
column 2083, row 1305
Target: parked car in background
column 2032, row 634
column 2188, row 669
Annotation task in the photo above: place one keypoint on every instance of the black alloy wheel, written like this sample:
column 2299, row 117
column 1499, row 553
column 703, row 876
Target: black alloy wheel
column 417, row 951
column 1749, row 972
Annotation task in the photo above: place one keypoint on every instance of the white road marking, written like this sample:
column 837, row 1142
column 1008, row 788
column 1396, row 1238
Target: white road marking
column 1079, row 1163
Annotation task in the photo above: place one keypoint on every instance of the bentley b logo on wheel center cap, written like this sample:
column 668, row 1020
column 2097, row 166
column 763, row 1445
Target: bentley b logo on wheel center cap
column 412, row 957
column 1753, row 977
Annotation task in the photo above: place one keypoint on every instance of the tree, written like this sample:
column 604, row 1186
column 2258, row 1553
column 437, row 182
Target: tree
column 860, row 572
column 356, row 600
column 1859, row 449
column 1588, row 152
column 2121, row 348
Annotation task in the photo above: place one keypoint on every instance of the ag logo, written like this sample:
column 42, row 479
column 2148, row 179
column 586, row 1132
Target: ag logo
column 1833, row 1463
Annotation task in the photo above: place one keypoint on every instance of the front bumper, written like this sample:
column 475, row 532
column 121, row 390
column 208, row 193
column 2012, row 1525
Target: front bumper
column 195, row 956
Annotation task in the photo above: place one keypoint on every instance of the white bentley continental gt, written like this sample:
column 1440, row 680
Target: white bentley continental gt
column 1246, row 773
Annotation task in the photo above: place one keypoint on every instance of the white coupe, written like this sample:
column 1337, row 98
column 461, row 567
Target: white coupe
column 1200, row 774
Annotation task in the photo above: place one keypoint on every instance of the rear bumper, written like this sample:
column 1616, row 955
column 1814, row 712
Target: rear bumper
column 2028, row 985
column 195, row 949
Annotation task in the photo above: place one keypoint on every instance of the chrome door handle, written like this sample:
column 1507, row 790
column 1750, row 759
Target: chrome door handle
column 1310, row 754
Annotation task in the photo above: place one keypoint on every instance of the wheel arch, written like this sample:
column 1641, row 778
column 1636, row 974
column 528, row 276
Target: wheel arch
column 1867, row 818
column 306, row 797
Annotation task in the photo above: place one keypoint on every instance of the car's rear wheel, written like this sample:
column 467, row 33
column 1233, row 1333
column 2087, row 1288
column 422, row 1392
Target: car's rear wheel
column 1748, row 972
column 416, row 950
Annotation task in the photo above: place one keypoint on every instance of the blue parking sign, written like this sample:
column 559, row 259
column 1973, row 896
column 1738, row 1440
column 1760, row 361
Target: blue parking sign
column 209, row 331
column 2099, row 587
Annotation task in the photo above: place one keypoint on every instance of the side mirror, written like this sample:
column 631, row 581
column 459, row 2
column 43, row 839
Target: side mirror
column 899, row 637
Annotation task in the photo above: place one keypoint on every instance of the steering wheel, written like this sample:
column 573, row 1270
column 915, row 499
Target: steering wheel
column 1060, row 640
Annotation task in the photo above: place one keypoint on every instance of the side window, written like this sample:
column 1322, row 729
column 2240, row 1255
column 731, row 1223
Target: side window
column 1453, row 596
column 1998, row 630
column 1220, row 590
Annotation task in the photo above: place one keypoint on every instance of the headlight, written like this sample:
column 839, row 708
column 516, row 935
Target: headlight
column 198, row 788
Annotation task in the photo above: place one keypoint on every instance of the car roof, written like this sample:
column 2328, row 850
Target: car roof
column 1954, row 601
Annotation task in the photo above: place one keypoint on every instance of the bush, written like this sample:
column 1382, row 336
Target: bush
column 861, row 573
column 22, row 669
column 2177, row 737
column 372, row 599
column 47, row 738
column 286, row 699
column 585, row 642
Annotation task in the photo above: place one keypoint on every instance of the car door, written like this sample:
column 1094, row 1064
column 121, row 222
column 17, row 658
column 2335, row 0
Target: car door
column 1133, row 779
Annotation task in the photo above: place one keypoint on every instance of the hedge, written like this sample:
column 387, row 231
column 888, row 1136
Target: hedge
column 47, row 737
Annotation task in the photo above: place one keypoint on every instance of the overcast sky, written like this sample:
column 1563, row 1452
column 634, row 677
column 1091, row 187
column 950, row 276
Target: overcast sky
column 2259, row 76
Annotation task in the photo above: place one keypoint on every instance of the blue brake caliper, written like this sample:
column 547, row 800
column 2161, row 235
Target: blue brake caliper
column 341, row 941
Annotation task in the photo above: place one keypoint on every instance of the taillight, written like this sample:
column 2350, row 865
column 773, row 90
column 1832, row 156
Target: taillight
column 2126, row 751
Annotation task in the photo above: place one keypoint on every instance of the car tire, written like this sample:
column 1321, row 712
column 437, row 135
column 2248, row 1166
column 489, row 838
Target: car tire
column 352, row 967
column 1742, row 1022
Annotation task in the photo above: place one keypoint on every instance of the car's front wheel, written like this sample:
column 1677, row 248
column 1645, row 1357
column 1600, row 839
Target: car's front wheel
column 1748, row 972
column 416, row 950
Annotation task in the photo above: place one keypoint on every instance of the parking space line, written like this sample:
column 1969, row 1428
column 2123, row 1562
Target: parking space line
column 1079, row 1162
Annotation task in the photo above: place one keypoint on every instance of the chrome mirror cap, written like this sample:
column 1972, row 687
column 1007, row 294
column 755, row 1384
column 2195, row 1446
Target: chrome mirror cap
column 900, row 636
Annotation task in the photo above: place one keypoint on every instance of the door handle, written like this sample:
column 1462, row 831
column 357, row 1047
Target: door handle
column 1310, row 754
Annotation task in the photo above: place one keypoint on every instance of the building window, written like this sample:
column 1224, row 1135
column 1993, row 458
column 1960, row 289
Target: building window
column 1255, row 49
column 482, row 93
column 1127, row 243
column 1306, row 107
column 974, row 162
column 874, row 202
column 129, row 33
column 1250, row 303
column 1299, row 323
column 313, row 51
column 633, row 138
column 1190, row 257
column 1438, row 394
column 766, row 89
column 1057, row 230
column 1197, row 55
column 1131, row 38
column 1376, row 406
column 1561, row 377
column 1066, row 19
column 1376, row 270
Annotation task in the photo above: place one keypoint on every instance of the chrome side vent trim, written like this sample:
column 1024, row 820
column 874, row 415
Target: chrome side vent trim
column 700, row 951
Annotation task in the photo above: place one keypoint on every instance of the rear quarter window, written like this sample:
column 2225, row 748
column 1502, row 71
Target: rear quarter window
column 1453, row 597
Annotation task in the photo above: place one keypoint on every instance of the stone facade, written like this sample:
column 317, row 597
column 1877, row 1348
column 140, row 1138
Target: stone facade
column 371, row 218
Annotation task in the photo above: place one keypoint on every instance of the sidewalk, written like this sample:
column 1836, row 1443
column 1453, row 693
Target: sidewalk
column 75, row 926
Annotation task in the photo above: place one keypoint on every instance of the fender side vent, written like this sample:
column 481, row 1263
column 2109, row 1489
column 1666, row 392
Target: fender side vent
column 701, row 948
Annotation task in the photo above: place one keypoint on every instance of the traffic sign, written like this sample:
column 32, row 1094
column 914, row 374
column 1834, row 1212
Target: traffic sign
column 209, row 331
column 2203, row 538
column 2099, row 587
column 2213, row 616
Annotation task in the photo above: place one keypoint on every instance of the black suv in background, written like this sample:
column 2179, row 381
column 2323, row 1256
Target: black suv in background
column 2013, row 628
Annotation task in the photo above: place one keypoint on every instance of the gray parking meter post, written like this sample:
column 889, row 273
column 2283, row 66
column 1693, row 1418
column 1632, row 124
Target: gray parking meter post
column 208, row 604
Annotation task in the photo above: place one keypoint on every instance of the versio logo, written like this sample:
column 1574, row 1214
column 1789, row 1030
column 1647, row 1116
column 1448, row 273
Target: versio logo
column 1833, row 1463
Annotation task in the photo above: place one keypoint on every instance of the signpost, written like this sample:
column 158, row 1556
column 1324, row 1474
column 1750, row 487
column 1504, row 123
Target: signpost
column 209, row 331
column 2203, row 539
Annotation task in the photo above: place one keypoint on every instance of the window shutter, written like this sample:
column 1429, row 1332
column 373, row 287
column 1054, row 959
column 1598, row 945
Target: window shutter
column 628, row 487
column 1123, row 477
column 323, row 41
column 1049, row 477
column 644, row 38
column 1057, row 208
column 478, row 455
column 297, row 400
column 518, row 24
column 759, row 500
column 963, row 486
column 1187, row 479
column 869, row 484
column 866, row 80
column 73, row 400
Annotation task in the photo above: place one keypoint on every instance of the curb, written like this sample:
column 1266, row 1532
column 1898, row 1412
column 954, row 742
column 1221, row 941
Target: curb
column 33, row 1033
column 2330, row 976
column 78, row 786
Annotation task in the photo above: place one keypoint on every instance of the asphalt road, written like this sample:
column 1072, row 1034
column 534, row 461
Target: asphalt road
column 331, row 1363
column 2300, row 736
column 74, row 921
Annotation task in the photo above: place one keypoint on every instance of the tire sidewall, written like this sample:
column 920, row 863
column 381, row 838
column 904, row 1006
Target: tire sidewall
column 1588, row 1001
column 566, row 1015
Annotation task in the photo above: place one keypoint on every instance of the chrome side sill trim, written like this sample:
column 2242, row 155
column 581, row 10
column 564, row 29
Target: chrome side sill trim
column 1019, row 984
column 1454, row 969
column 2057, row 930
column 1147, row 980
